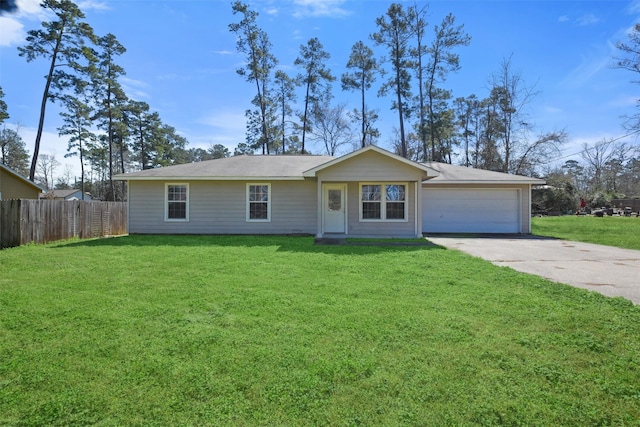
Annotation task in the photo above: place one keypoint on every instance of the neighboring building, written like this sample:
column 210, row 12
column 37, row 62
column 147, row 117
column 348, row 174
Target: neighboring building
column 15, row 186
column 67, row 195
column 368, row 193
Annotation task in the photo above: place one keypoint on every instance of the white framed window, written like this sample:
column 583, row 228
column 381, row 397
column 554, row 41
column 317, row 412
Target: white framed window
column 176, row 206
column 383, row 202
column 259, row 202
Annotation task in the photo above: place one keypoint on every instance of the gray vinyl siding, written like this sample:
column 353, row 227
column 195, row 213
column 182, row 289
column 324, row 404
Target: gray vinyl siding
column 371, row 166
column 219, row 207
column 379, row 228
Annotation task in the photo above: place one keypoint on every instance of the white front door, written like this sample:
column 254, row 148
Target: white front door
column 334, row 209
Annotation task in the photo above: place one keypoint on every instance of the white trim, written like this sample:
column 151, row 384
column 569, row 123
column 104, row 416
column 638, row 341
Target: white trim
column 248, row 186
column 166, row 202
column 383, row 201
column 129, row 208
column 436, row 182
column 320, row 209
column 416, row 212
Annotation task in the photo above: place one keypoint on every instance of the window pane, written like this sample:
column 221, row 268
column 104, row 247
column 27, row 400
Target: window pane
column 177, row 210
column 177, row 192
column 395, row 210
column 258, row 210
column 395, row 193
column 335, row 200
column 258, row 193
column 371, row 210
column 371, row 192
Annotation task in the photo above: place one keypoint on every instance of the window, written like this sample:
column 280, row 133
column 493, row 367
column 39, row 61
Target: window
column 383, row 202
column 258, row 202
column 177, row 202
column 335, row 200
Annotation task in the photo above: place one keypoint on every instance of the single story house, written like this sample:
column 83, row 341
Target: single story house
column 367, row 193
column 72, row 194
column 15, row 186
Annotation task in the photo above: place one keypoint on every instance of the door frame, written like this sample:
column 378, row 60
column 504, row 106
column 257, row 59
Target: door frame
column 325, row 190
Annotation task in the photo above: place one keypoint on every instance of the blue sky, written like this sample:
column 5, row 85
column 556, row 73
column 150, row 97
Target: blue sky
column 181, row 60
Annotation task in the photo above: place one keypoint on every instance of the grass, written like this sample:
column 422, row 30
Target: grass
column 619, row 231
column 204, row 330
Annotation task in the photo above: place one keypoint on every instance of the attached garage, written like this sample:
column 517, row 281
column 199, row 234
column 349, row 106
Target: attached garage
column 467, row 200
column 466, row 210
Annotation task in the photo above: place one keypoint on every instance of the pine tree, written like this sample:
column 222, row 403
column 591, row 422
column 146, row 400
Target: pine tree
column 62, row 42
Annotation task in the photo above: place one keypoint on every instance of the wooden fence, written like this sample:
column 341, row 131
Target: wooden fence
column 40, row 221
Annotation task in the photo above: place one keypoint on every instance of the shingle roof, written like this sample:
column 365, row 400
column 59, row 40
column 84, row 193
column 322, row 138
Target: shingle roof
column 293, row 167
column 464, row 175
column 63, row 193
column 237, row 167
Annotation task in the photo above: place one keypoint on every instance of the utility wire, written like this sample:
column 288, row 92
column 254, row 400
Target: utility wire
column 599, row 143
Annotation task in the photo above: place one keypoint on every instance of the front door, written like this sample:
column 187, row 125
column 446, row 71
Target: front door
column 334, row 208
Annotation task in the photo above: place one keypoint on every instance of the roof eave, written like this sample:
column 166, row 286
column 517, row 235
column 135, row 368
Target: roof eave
column 484, row 182
column 208, row 178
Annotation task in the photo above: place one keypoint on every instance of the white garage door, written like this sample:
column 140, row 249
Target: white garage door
column 470, row 211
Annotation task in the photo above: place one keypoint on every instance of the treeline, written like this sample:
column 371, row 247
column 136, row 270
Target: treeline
column 108, row 131
column 432, row 125
column 111, row 133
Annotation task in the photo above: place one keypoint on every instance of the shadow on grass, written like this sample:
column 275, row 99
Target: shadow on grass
column 283, row 243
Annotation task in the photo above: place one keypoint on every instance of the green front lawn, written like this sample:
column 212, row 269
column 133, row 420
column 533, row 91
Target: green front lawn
column 204, row 330
column 619, row 231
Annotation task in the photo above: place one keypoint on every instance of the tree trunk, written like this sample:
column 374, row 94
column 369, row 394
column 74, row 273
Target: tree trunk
column 403, row 142
column 364, row 117
column 43, row 105
column 304, row 118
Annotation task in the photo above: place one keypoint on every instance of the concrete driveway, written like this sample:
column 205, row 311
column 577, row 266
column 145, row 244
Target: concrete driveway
column 610, row 271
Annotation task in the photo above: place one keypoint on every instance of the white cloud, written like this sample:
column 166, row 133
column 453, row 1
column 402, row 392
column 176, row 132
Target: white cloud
column 320, row 8
column 51, row 144
column 588, row 19
column 589, row 67
column 563, row 18
column 12, row 25
column 134, row 88
column 93, row 5
column 228, row 127
column 623, row 101
column 11, row 31
column 29, row 7
column 634, row 7
column 553, row 110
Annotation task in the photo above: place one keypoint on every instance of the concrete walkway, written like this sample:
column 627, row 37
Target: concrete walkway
column 610, row 271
